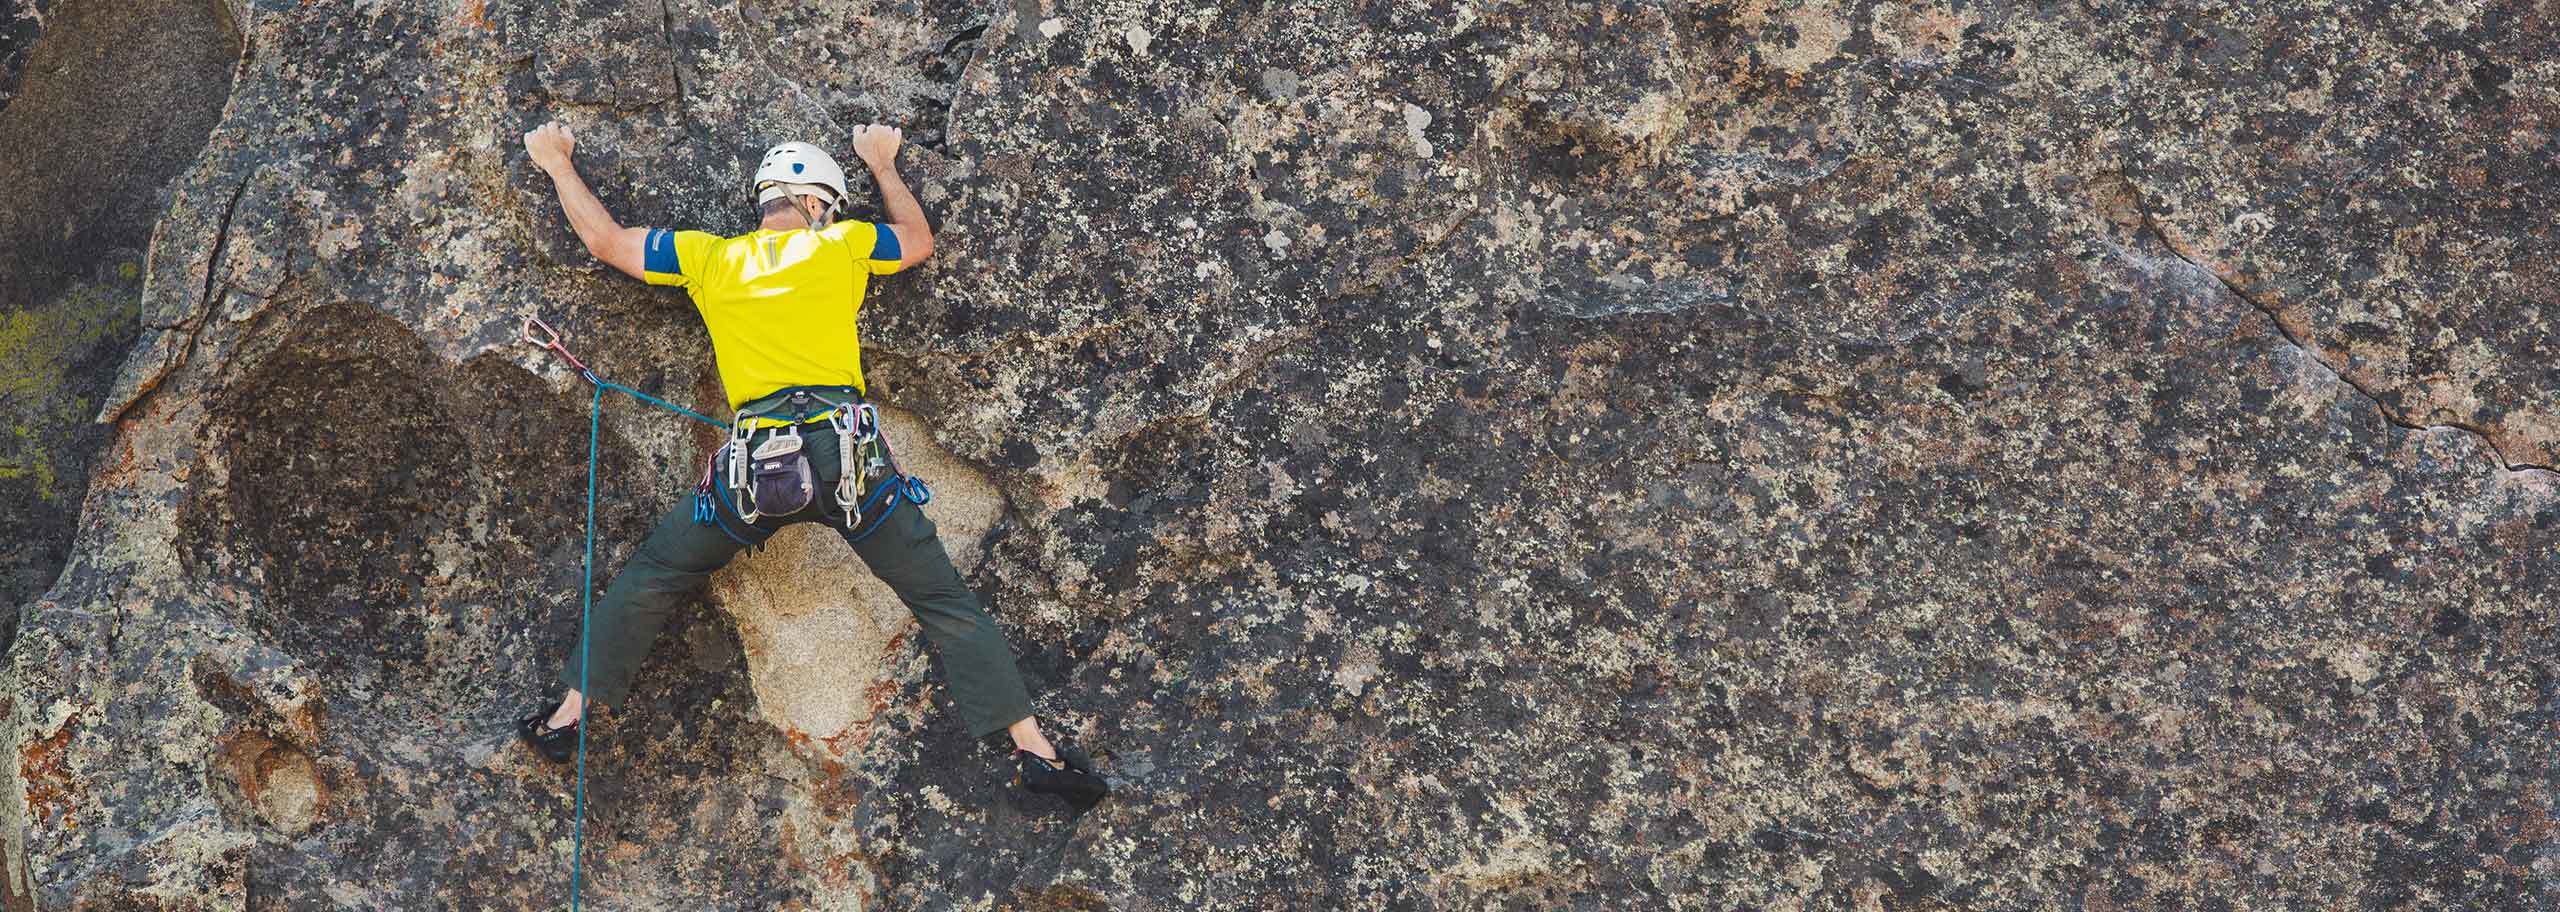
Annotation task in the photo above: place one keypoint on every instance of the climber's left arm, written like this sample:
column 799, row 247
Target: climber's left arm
column 619, row 247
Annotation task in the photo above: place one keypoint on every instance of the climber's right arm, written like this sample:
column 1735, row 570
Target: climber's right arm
column 877, row 144
column 617, row 246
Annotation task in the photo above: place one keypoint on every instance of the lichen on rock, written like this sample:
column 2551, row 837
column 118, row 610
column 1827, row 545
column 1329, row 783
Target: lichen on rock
column 1788, row 455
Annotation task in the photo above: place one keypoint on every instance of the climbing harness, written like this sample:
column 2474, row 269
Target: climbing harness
column 764, row 479
column 761, row 486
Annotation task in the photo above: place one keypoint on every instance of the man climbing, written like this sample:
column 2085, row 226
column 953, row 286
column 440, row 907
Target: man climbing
column 781, row 304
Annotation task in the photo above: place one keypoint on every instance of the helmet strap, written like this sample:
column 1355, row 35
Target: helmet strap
column 827, row 211
column 827, row 207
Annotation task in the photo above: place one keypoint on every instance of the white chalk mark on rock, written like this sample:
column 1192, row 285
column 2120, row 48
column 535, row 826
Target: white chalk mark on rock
column 1415, row 118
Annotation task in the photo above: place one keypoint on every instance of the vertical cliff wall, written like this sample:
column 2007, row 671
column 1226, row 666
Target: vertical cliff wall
column 98, row 115
column 1441, row 456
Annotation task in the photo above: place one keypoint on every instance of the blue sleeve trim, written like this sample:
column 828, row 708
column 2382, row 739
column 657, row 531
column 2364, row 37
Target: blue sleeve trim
column 658, row 254
column 886, row 246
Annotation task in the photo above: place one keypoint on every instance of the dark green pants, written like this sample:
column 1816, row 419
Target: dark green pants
column 905, row 552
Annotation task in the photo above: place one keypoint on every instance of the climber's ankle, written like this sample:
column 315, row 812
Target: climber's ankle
column 571, row 708
column 1027, row 737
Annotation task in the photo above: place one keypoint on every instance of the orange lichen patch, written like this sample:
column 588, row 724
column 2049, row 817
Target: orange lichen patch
column 875, row 697
column 839, row 867
column 13, row 878
column 792, row 859
column 835, row 870
column 2532, row 821
column 848, row 740
column 476, row 14
column 845, row 860
column 276, row 780
column 119, row 468
column 47, row 774
column 835, row 792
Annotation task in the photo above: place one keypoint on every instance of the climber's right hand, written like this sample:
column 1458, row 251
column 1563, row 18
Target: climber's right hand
column 549, row 145
column 877, row 144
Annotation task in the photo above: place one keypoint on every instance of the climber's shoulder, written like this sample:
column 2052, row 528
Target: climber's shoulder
column 670, row 256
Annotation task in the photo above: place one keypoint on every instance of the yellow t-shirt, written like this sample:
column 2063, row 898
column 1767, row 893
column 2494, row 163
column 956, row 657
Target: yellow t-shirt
column 782, row 306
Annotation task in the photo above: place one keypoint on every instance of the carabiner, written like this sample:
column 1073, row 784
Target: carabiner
column 866, row 423
column 534, row 323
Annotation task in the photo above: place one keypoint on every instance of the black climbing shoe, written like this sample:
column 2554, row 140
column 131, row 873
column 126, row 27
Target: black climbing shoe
column 1077, row 782
column 559, row 744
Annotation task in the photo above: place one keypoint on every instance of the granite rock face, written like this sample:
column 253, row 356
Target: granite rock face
column 122, row 98
column 1438, row 456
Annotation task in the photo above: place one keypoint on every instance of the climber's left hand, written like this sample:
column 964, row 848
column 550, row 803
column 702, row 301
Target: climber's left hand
column 549, row 145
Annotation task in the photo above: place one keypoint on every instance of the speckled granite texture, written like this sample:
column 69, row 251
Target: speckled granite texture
column 1512, row 455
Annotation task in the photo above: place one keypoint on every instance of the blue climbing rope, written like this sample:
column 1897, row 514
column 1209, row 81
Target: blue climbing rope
column 603, row 384
column 586, row 647
column 587, row 568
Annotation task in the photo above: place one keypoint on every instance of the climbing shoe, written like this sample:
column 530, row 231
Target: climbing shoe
column 559, row 744
column 1075, row 782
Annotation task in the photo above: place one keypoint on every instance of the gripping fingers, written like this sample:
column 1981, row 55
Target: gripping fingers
column 549, row 141
column 877, row 142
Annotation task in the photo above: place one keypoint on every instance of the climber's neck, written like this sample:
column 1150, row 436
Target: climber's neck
column 797, row 215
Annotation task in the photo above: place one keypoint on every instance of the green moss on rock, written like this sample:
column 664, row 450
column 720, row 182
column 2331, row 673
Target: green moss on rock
column 48, row 357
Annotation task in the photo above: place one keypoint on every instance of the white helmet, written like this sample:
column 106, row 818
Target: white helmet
column 799, row 169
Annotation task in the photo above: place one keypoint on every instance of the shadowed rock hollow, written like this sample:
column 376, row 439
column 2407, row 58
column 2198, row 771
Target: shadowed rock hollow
column 1441, row 456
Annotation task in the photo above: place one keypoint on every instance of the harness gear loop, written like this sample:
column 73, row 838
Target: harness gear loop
column 740, row 497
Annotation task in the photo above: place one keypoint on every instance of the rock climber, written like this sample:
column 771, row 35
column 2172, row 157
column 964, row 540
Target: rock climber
column 781, row 304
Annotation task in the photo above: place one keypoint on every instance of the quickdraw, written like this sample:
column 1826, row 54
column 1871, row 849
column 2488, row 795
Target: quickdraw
column 549, row 340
